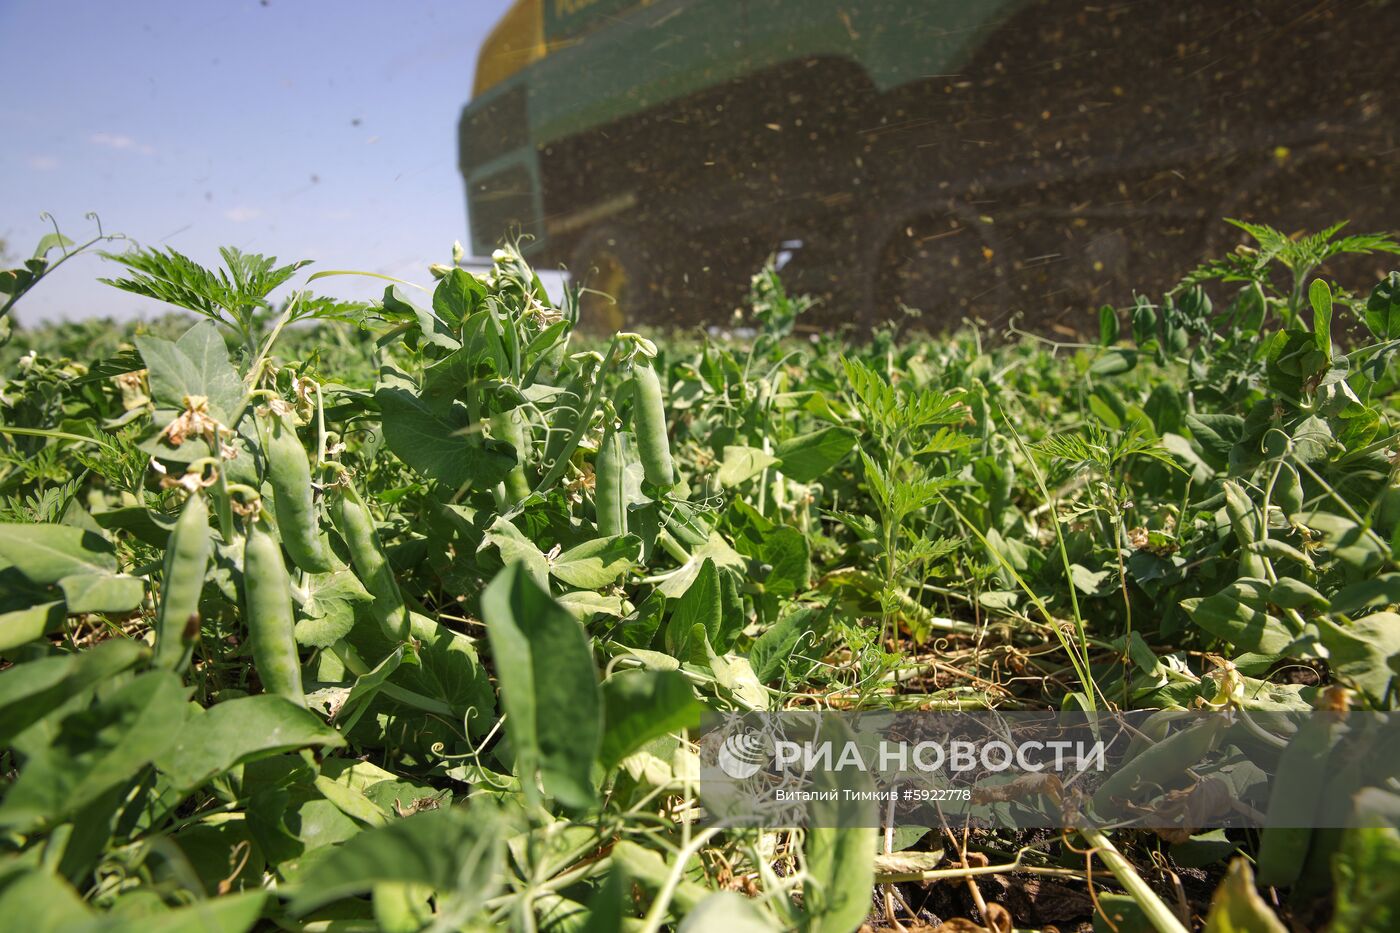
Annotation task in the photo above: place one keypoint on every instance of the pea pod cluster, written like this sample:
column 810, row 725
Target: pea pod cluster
column 267, row 592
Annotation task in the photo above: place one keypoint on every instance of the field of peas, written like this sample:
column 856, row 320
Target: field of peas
column 330, row 616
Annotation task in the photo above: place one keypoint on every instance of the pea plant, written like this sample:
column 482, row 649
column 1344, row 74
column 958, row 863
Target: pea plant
column 404, row 615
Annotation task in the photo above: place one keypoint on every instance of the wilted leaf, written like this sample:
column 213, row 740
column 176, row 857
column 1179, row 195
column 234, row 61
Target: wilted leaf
column 1237, row 906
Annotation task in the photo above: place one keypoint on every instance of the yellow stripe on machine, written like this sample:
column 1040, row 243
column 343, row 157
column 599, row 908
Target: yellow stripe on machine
column 516, row 43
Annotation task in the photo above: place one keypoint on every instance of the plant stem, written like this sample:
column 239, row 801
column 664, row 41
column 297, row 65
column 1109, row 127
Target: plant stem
column 1153, row 907
column 657, row 913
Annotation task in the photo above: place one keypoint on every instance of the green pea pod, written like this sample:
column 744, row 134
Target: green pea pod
column 1144, row 322
column 568, row 410
column 289, row 472
column 1244, row 519
column 353, row 520
column 609, row 494
column 563, row 420
column 646, row 524
column 649, row 418
column 1154, row 729
column 267, row 591
column 1165, row 761
column 1295, row 799
column 1288, row 490
column 186, row 559
column 509, row 426
column 1275, row 549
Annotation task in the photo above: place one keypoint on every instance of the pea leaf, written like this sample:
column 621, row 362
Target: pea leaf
column 597, row 563
column 94, row 750
column 1238, row 615
column 1216, row 434
column 795, row 641
column 101, row 592
column 715, row 549
column 46, row 554
column 1114, row 362
column 328, row 614
column 37, row 900
column 1108, row 326
column 784, row 560
column 700, row 606
column 30, row 691
column 437, row 440
column 643, row 705
column 451, row 850
column 514, row 546
column 549, row 685
column 1367, row 874
column 1359, row 652
column 1384, row 589
column 743, row 463
column 195, row 366
column 232, row 913
column 229, row 733
column 728, row 911
column 448, row 671
column 457, row 295
column 808, row 456
column 584, row 604
column 1383, row 308
column 21, row 626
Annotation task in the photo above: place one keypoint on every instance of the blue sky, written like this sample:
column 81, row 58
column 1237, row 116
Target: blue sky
column 300, row 128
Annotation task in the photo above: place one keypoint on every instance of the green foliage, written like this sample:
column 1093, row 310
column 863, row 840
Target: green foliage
column 236, row 296
column 15, row 283
column 505, row 618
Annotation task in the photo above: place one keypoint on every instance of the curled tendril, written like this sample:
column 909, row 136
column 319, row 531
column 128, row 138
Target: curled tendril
column 473, row 756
